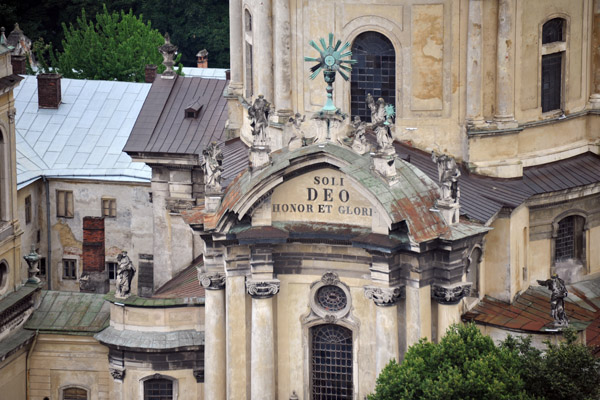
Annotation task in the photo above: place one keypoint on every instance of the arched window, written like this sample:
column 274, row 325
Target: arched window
column 248, row 21
column 553, row 52
column 159, row 387
column 331, row 364
column 374, row 72
column 569, row 242
column 3, row 276
column 74, row 393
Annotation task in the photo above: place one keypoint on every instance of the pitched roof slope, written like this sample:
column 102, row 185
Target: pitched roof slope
column 162, row 126
column 84, row 137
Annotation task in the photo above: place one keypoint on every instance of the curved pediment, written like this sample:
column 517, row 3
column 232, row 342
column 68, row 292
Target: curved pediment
column 329, row 184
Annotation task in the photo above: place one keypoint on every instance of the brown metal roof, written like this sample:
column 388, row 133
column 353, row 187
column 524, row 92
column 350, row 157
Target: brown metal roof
column 161, row 126
column 482, row 197
column 183, row 285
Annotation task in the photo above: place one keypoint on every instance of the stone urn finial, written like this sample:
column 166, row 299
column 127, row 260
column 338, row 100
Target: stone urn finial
column 32, row 260
column 168, row 51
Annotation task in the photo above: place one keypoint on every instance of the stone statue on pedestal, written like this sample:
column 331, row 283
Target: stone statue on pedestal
column 125, row 274
column 381, row 119
column 212, row 166
column 258, row 113
column 557, row 300
column 448, row 174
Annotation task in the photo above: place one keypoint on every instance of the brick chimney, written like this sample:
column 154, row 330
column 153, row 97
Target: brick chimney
column 94, row 277
column 49, row 92
column 150, row 73
column 202, row 58
column 18, row 65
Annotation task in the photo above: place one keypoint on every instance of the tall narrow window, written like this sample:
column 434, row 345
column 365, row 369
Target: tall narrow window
column 28, row 209
column 374, row 72
column 158, row 389
column 553, row 52
column 473, row 270
column 109, row 208
column 248, row 71
column 569, row 239
column 331, row 364
column 3, row 179
column 64, row 203
column 111, row 268
column 69, row 269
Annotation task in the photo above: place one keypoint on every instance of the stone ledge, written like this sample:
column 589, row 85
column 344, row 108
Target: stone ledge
column 135, row 301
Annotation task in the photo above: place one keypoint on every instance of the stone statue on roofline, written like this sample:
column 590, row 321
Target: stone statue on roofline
column 448, row 174
column 258, row 113
column 557, row 299
column 355, row 137
column 212, row 166
column 382, row 117
column 168, row 51
column 125, row 274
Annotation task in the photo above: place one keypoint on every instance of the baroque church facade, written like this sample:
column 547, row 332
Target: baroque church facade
column 332, row 228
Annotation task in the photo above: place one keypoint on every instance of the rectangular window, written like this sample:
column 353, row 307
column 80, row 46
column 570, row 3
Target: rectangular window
column 111, row 268
column 28, row 209
column 551, row 81
column 109, row 208
column 249, row 72
column 64, row 203
column 43, row 266
column 69, row 269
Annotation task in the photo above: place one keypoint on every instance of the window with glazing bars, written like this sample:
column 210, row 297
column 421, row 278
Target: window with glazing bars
column 69, row 269
column 331, row 364
column 75, row 394
column 374, row 72
column 158, row 389
column 109, row 208
column 569, row 239
column 64, row 203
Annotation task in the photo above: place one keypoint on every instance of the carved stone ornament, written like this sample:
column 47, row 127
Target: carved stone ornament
column 212, row 165
column 199, row 375
column 557, row 300
column 125, row 273
column 117, row 373
column 383, row 296
column 212, row 281
column 330, row 278
column 168, row 51
column 262, row 289
column 450, row 294
column 330, row 319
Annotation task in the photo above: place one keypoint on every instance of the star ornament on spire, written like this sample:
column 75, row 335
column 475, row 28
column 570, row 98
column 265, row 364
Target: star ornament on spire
column 330, row 61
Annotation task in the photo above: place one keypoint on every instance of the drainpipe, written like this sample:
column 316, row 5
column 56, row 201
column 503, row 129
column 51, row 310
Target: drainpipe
column 49, row 239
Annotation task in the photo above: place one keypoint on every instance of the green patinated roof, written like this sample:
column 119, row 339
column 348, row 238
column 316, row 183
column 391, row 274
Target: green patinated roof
column 410, row 199
column 71, row 313
column 151, row 341
column 14, row 297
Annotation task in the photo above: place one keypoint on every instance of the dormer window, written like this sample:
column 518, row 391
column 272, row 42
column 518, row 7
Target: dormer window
column 194, row 109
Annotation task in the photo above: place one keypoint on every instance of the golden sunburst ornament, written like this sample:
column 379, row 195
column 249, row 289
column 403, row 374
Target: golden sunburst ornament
column 330, row 61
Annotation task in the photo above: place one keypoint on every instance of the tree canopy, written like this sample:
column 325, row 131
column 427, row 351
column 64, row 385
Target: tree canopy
column 115, row 46
column 192, row 25
column 468, row 365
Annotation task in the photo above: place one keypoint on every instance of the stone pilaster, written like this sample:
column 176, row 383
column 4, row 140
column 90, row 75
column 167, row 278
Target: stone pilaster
column 418, row 314
column 595, row 96
column 263, row 344
column 474, row 50
column 237, row 338
column 386, row 322
column 263, row 42
column 214, row 348
column 283, row 78
column 447, row 298
column 505, row 65
column 161, row 237
column 235, row 43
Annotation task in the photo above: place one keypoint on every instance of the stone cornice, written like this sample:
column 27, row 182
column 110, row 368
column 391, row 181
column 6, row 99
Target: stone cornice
column 212, row 281
column 450, row 294
column 262, row 289
column 385, row 296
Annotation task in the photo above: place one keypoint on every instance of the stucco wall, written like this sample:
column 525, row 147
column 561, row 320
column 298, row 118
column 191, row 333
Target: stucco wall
column 13, row 376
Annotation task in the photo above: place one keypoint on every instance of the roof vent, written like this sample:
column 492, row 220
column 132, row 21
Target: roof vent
column 194, row 109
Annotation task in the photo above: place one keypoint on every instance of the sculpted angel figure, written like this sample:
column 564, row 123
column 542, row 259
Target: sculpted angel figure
column 557, row 299
column 258, row 113
column 212, row 165
column 125, row 273
column 448, row 174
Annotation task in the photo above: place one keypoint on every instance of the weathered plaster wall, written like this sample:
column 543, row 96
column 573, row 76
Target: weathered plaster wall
column 156, row 319
column 13, row 376
column 131, row 230
column 60, row 361
column 497, row 259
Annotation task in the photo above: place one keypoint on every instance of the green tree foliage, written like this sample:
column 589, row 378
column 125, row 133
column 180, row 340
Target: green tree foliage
column 193, row 25
column 115, row 46
column 464, row 365
column 467, row 365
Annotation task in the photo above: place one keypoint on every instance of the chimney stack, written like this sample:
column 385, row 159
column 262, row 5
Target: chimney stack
column 202, row 58
column 49, row 92
column 150, row 73
column 94, row 277
column 18, row 65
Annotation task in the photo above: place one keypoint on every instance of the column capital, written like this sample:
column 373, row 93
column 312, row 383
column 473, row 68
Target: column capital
column 212, row 281
column 450, row 294
column 385, row 296
column 262, row 288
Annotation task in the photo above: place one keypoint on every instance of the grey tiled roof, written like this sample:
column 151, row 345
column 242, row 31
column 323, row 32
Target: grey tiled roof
column 151, row 340
column 84, row 137
column 210, row 73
